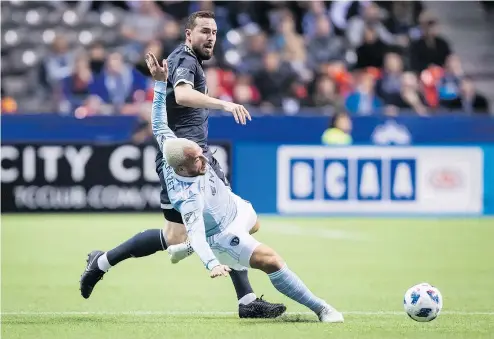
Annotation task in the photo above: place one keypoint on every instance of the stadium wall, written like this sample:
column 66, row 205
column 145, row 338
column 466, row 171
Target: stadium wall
column 441, row 129
column 441, row 166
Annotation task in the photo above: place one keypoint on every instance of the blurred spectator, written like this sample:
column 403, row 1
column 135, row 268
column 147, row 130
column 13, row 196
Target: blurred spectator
column 315, row 10
column 340, row 75
column 371, row 52
column 411, row 98
column 449, row 84
column 363, row 100
column 154, row 47
column 431, row 49
column 326, row 94
column 388, row 88
column 244, row 92
column 343, row 11
column 142, row 24
column 339, row 130
column 220, row 83
column 324, row 46
column 92, row 105
column 170, row 36
column 58, row 64
column 289, row 43
column 429, row 78
column 118, row 82
column 469, row 101
column 404, row 17
column 179, row 10
column 75, row 87
column 97, row 57
column 274, row 81
column 252, row 62
column 371, row 18
column 9, row 105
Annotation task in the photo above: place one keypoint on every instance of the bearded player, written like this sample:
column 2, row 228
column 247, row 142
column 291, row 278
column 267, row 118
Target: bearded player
column 187, row 111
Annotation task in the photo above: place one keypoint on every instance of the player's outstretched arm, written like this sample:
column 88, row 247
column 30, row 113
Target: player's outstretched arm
column 159, row 117
column 191, row 210
column 185, row 95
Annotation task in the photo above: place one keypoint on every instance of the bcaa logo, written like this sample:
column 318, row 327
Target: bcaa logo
column 446, row 178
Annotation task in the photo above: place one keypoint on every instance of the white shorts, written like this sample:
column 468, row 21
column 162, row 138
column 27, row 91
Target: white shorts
column 234, row 246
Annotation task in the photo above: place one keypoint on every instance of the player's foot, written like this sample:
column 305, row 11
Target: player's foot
column 179, row 252
column 330, row 315
column 260, row 308
column 92, row 274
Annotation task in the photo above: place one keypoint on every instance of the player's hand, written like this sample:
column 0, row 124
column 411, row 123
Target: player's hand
column 239, row 112
column 220, row 270
column 159, row 72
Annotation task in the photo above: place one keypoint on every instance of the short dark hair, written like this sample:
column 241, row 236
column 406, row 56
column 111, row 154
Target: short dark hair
column 191, row 20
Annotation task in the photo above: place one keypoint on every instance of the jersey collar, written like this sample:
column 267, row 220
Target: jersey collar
column 186, row 179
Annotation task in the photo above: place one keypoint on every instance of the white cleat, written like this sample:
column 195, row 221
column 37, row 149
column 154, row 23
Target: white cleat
column 178, row 252
column 330, row 315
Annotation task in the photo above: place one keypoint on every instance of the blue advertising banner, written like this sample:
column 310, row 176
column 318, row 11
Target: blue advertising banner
column 404, row 130
column 366, row 180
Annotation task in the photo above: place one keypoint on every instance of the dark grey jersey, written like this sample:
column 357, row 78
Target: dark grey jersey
column 191, row 123
column 185, row 122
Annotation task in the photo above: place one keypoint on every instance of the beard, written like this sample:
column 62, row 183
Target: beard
column 202, row 52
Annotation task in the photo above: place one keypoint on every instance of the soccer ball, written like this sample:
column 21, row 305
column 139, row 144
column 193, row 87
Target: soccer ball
column 423, row 302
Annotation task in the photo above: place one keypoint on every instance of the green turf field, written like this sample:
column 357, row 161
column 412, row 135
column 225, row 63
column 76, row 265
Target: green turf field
column 361, row 266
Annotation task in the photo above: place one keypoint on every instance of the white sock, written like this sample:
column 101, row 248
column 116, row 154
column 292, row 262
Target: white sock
column 103, row 263
column 247, row 299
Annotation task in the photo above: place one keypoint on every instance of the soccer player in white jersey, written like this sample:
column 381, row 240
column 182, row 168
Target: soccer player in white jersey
column 218, row 222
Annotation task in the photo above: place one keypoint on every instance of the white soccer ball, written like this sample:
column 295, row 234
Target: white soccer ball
column 423, row 302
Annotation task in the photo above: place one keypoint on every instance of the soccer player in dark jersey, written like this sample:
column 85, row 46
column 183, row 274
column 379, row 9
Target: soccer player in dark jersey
column 188, row 110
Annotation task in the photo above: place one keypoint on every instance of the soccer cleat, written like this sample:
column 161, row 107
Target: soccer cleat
column 260, row 308
column 92, row 274
column 330, row 315
column 179, row 252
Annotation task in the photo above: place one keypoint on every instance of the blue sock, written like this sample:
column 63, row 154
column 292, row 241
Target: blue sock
column 288, row 283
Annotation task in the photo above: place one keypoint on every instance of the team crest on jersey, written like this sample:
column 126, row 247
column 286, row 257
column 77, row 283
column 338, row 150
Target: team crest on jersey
column 235, row 241
column 190, row 218
column 182, row 71
column 189, row 50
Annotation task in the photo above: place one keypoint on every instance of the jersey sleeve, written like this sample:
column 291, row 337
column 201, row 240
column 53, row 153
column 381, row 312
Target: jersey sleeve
column 159, row 117
column 191, row 211
column 184, row 72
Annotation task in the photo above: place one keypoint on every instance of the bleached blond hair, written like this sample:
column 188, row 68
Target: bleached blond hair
column 174, row 151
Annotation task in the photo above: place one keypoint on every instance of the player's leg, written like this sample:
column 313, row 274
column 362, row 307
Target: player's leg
column 287, row 282
column 142, row 244
column 251, row 253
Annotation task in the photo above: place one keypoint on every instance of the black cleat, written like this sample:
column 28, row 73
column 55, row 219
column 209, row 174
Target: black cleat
column 92, row 274
column 260, row 308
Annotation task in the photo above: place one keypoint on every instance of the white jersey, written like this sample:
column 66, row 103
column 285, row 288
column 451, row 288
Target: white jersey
column 206, row 204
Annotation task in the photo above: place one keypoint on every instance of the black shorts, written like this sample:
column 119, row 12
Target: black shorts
column 168, row 211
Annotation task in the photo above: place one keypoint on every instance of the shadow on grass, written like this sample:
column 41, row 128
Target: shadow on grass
column 103, row 319
column 126, row 319
column 292, row 318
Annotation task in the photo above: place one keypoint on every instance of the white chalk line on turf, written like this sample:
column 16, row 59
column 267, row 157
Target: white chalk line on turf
column 218, row 313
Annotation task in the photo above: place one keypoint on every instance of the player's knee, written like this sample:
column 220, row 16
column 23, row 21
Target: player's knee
column 266, row 260
column 174, row 233
column 273, row 263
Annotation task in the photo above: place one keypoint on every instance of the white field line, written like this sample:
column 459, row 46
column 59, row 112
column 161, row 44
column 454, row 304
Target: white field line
column 216, row 313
